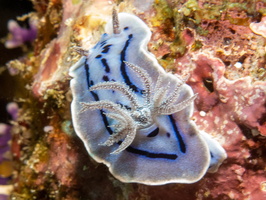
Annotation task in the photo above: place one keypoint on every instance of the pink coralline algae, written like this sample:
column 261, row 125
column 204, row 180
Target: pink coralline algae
column 19, row 35
column 259, row 28
column 233, row 111
column 52, row 65
column 231, row 106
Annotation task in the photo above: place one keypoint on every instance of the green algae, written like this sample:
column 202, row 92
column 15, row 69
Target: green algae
column 29, row 173
column 209, row 11
column 196, row 45
column 76, row 2
column 54, row 97
column 169, row 23
column 67, row 127
column 163, row 12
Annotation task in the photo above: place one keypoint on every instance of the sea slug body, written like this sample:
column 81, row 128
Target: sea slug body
column 133, row 116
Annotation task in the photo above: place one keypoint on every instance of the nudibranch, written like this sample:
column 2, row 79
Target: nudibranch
column 133, row 116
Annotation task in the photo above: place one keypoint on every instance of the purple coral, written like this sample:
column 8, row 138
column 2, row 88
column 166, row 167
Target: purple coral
column 5, row 158
column 20, row 35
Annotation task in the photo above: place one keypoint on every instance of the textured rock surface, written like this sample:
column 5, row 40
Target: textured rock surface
column 211, row 41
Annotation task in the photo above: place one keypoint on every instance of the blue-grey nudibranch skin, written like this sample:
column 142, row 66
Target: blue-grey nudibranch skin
column 172, row 149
